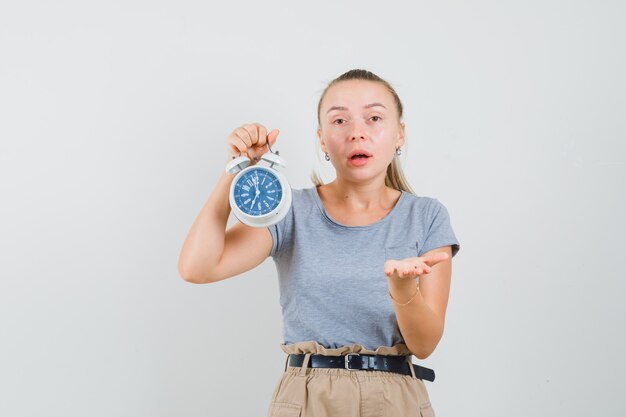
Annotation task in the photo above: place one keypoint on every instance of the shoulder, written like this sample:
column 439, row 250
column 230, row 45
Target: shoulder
column 420, row 202
column 303, row 200
column 426, row 209
column 302, row 195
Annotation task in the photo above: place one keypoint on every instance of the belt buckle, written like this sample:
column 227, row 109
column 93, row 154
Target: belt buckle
column 347, row 362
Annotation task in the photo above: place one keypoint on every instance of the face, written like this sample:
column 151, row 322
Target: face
column 358, row 115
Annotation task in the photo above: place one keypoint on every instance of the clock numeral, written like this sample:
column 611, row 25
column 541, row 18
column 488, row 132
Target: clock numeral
column 258, row 205
column 267, row 196
column 245, row 187
column 244, row 195
column 249, row 182
column 246, row 202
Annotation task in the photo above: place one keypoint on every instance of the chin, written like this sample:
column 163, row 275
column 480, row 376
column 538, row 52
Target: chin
column 362, row 174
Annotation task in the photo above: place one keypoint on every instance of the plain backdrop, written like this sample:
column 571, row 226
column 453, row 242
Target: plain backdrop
column 113, row 124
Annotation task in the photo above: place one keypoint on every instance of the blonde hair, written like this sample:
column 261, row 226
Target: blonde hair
column 394, row 177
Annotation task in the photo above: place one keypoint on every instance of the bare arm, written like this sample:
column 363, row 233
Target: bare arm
column 422, row 320
column 210, row 253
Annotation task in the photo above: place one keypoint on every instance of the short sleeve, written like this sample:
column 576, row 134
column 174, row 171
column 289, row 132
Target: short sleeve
column 440, row 231
column 277, row 239
column 280, row 231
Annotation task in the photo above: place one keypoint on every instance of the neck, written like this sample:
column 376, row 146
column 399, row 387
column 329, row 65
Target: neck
column 361, row 196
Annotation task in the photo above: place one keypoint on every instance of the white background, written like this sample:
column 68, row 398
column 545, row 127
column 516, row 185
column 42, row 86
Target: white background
column 113, row 124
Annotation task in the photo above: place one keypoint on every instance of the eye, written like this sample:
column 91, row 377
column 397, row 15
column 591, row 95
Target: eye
column 335, row 122
column 379, row 118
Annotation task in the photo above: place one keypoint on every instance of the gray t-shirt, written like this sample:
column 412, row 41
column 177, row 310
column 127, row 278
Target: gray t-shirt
column 333, row 288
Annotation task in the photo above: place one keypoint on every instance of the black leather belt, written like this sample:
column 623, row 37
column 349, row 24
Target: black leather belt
column 355, row 361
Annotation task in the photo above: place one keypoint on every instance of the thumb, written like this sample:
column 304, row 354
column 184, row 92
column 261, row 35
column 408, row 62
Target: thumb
column 436, row 257
column 271, row 137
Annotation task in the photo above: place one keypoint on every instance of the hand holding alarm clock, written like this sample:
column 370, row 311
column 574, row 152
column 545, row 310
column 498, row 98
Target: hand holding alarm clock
column 260, row 196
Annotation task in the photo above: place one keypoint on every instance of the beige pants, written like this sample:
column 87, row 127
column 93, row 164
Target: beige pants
column 336, row 392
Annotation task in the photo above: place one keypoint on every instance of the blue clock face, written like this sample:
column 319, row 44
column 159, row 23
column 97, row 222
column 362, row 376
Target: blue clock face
column 257, row 192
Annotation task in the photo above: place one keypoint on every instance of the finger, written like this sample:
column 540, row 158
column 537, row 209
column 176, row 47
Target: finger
column 272, row 136
column 410, row 272
column 389, row 270
column 262, row 132
column 244, row 135
column 390, row 267
column 252, row 131
column 237, row 145
column 404, row 268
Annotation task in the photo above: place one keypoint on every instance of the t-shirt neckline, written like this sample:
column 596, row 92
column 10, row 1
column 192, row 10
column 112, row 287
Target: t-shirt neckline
column 379, row 222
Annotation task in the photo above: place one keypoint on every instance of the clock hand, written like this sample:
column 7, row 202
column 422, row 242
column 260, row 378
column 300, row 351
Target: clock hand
column 255, row 182
column 254, row 199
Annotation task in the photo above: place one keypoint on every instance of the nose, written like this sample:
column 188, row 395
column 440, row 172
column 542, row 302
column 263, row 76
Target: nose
column 357, row 132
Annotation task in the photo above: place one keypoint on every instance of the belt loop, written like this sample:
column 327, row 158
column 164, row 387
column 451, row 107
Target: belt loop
column 305, row 364
column 286, row 362
column 410, row 361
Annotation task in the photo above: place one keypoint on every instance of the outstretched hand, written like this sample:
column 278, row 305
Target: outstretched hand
column 413, row 267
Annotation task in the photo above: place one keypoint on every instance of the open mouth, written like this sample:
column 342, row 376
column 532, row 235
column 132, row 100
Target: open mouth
column 360, row 156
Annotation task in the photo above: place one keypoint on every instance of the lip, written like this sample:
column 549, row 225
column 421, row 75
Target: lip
column 359, row 162
column 359, row 151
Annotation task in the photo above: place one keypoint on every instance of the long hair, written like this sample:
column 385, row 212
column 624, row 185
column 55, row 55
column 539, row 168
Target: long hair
column 394, row 177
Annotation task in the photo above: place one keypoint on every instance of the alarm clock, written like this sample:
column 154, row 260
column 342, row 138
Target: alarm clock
column 260, row 196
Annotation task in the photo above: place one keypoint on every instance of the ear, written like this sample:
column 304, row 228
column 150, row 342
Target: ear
column 400, row 141
column 319, row 137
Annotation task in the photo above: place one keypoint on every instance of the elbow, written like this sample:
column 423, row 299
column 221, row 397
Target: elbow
column 184, row 272
column 421, row 354
column 191, row 276
column 194, row 279
column 423, row 351
column 187, row 276
column 191, row 279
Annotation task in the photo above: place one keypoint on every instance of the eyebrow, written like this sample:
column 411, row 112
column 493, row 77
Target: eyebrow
column 367, row 106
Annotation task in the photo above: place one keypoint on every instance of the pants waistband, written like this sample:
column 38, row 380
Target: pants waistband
column 357, row 362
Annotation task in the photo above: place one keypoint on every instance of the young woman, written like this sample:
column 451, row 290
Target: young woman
column 364, row 264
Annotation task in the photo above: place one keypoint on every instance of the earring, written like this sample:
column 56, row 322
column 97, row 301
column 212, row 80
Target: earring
column 326, row 156
column 398, row 151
